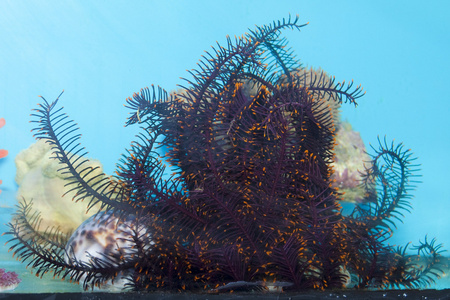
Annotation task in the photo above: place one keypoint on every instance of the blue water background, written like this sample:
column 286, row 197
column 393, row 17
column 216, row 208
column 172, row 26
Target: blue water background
column 101, row 52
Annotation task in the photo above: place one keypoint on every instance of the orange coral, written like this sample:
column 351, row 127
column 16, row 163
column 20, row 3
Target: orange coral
column 3, row 152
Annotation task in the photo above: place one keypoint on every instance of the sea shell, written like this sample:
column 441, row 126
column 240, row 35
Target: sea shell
column 104, row 235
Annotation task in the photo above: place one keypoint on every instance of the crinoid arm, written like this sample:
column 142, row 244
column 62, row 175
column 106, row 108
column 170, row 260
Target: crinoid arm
column 27, row 224
column 139, row 184
column 416, row 271
column 51, row 251
column 239, row 60
column 252, row 145
column 253, row 75
column 393, row 172
column 140, row 169
column 149, row 105
column 320, row 85
column 61, row 133
column 44, row 252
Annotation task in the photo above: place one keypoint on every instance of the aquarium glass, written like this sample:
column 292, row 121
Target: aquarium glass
column 261, row 146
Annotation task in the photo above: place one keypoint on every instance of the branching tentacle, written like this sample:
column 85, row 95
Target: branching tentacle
column 60, row 137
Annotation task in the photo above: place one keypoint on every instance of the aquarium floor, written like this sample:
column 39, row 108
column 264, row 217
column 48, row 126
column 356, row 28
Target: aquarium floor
column 388, row 295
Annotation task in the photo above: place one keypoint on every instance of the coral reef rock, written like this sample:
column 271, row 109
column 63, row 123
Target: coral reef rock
column 39, row 178
column 350, row 162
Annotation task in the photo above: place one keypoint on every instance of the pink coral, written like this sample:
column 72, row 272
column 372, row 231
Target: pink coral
column 8, row 280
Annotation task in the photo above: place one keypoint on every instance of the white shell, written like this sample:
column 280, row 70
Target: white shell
column 104, row 234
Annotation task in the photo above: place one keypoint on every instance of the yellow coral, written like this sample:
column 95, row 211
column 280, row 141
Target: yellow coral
column 40, row 180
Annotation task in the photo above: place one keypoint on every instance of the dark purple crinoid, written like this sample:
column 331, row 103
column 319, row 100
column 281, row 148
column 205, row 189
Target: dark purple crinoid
column 251, row 203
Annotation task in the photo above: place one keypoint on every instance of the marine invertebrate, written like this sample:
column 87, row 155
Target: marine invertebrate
column 8, row 280
column 103, row 234
column 251, row 200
